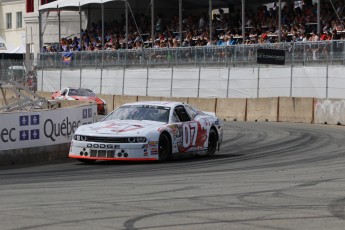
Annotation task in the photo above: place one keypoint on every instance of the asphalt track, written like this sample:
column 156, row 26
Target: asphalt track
column 266, row 176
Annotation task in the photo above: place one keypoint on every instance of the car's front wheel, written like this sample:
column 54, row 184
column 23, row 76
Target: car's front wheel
column 164, row 148
column 212, row 143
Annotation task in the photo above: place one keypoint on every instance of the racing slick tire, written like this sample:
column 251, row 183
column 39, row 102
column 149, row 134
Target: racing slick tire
column 212, row 143
column 164, row 148
column 87, row 161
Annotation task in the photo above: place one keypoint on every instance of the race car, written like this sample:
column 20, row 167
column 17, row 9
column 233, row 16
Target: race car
column 81, row 94
column 148, row 131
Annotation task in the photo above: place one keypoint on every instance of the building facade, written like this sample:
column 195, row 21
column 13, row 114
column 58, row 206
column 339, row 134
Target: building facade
column 19, row 30
column 12, row 25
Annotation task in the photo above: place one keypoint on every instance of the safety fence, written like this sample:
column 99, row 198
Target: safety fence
column 22, row 72
column 296, row 54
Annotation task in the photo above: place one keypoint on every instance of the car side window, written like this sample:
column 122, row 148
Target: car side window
column 64, row 92
column 191, row 111
column 174, row 118
column 182, row 113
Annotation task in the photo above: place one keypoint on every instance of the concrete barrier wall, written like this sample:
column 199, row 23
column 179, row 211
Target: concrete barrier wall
column 239, row 109
column 292, row 109
column 109, row 99
column 8, row 93
column 329, row 111
column 8, row 100
column 231, row 109
column 262, row 109
column 179, row 99
column 34, row 155
column 120, row 100
column 204, row 104
column 148, row 98
column 47, row 95
column 283, row 109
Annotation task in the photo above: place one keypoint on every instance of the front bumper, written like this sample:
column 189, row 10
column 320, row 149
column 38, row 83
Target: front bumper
column 106, row 151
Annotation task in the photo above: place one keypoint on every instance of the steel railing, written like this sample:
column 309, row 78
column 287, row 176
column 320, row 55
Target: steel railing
column 297, row 53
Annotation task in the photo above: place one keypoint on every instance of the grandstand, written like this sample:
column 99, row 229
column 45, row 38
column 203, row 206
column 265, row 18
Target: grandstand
column 108, row 49
column 232, row 23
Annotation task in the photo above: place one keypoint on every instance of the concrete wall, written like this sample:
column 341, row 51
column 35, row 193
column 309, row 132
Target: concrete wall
column 262, row 109
column 204, row 104
column 231, row 108
column 34, row 155
column 293, row 109
column 329, row 111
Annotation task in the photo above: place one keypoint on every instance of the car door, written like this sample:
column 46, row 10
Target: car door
column 188, row 129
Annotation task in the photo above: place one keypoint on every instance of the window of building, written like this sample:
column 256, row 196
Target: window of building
column 30, row 6
column 19, row 19
column 8, row 20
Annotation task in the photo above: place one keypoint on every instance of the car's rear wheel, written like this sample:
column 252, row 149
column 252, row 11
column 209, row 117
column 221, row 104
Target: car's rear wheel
column 212, row 143
column 164, row 148
column 87, row 161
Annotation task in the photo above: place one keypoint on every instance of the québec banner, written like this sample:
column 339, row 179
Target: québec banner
column 43, row 127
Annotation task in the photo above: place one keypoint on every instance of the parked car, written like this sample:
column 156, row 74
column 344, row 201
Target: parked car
column 70, row 93
column 144, row 131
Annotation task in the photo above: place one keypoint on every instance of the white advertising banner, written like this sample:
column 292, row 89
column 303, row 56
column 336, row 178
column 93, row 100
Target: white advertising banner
column 112, row 81
column 91, row 79
column 231, row 82
column 213, row 82
column 44, row 127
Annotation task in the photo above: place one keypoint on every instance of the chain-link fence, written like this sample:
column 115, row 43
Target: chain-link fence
column 23, row 72
column 298, row 53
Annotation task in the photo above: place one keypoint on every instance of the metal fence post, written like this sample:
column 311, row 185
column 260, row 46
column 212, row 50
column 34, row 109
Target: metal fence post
column 60, row 70
column 172, row 81
column 327, row 78
column 199, row 81
column 258, row 86
column 147, row 80
column 102, row 66
column 291, row 76
column 228, row 82
column 42, row 67
column 123, row 81
column 80, row 68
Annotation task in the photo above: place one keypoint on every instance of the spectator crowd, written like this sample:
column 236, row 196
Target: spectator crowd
column 298, row 24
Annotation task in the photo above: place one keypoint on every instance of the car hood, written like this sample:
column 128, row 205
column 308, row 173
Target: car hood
column 119, row 127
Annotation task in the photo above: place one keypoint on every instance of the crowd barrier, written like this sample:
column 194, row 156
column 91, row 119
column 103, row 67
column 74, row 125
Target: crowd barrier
column 47, row 147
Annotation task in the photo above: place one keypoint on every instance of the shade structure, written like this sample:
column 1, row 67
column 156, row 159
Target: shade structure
column 72, row 4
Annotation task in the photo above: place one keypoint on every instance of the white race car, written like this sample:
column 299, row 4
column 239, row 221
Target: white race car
column 143, row 131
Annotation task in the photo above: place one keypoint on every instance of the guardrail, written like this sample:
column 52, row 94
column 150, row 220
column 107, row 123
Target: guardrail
column 298, row 53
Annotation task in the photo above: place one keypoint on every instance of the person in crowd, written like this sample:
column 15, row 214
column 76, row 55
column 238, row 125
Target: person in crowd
column 298, row 25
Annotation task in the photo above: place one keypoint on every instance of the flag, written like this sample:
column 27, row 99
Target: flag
column 67, row 58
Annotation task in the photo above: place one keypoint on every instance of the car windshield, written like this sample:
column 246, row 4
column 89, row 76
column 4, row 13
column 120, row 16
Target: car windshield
column 140, row 112
column 81, row 92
